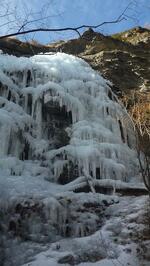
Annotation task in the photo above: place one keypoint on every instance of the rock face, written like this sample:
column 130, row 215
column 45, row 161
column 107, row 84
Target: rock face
column 16, row 47
column 124, row 59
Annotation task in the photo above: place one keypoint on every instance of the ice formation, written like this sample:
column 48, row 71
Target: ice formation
column 34, row 91
column 61, row 129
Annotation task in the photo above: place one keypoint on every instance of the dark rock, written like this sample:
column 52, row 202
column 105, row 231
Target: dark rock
column 12, row 226
column 69, row 259
column 105, row 202
column 132, row 191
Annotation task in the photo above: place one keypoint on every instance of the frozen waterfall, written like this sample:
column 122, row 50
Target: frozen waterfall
column 57, row 111
column 62, row 133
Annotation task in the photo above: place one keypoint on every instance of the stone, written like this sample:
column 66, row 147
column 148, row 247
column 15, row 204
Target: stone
column 69, row 259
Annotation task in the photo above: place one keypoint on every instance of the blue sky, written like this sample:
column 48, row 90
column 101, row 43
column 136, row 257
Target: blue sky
column 64, row 13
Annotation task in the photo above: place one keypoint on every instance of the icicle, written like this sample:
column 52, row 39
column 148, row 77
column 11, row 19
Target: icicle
column 26, row 103
column 39, row 118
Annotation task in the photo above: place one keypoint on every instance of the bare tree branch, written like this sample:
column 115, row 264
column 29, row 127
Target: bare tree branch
column 6, row 14
column 76, row 29
column 23, row 31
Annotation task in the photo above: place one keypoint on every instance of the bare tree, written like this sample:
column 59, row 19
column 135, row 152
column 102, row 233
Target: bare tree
column 139, row 113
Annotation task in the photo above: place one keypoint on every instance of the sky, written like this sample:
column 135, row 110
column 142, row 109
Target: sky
column 72, row 13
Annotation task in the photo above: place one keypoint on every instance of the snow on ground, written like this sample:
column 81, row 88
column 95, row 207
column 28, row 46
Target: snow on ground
column 116, row 243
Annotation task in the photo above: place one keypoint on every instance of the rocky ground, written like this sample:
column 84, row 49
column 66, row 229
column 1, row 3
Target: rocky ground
column 124, row 239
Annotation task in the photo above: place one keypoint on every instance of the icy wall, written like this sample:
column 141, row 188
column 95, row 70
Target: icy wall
column 58, row 112
column 62, row 131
